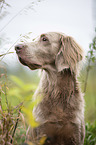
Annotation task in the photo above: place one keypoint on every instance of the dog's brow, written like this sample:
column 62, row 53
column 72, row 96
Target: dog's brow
column 42, row 35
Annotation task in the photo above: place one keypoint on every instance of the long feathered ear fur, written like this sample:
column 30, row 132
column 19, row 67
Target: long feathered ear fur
column 70, row 53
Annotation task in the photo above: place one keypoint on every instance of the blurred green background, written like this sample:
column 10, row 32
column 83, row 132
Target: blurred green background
column 32, row 77
column 17, row 18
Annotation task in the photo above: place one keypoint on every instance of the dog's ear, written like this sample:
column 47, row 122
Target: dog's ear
column 70, row 53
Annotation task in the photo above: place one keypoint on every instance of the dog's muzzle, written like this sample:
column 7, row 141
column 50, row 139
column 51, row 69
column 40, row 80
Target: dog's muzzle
column 20, row 50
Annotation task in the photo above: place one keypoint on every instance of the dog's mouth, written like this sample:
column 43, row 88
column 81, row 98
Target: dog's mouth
column 22, row 61
column 32, row 66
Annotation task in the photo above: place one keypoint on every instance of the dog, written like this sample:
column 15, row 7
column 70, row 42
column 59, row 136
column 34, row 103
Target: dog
column 61, row 111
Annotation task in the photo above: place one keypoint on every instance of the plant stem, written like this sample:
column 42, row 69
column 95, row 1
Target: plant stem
column 15, row 126
column 86, row 79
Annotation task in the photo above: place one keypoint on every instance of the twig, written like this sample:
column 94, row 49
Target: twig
column 86, row 79
column 6, row 98
column 15, row 127
column 10, row 47
column 13, row 18
column 5, row 54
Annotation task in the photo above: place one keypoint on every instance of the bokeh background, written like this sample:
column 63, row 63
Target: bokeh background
column 26, row 19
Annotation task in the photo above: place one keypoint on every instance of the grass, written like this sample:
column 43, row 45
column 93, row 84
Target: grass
column 15, row 102
column 89, row 95
column 90, row 134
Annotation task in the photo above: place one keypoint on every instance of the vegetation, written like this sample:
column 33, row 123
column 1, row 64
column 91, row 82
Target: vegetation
column 90, row 136
column 17, row 103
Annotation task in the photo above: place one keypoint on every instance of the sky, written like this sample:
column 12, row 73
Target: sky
column 72, row 17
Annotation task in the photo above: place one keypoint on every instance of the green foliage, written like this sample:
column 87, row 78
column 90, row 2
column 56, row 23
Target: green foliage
column 8, row 118
column 9, row 114
column 90, row 136
column 90, row 94
column 13, row 102
column 23, row 94
column 92, row 50
column 91, row 58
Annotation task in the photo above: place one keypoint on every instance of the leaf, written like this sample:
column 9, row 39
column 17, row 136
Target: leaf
column 94, row 47
column 30, row 117
column 93, row 59
column 42, row 140
column 5, row 54
column 29, row 87
column 18, row 81
column 90, row 45
column 29, row 143
column 23, row 119
column 90, row 136
column 32, row 103
column 30, row 33
column 91, row 52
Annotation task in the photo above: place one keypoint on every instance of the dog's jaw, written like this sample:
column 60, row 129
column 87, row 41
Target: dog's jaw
column 31, row 65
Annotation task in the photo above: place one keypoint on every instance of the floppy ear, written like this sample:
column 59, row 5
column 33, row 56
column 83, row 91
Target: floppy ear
column 69, row 55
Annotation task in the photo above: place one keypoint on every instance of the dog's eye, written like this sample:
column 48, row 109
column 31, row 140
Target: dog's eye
column 44, row 39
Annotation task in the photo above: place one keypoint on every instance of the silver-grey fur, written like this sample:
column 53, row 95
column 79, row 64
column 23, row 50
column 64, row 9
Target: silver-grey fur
column 61, row 111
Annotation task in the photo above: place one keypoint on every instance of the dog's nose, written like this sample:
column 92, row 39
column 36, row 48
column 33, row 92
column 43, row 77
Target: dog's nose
column 19, row 47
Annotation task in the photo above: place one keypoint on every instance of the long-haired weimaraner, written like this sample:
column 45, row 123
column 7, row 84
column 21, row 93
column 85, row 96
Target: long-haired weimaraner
column 61, row 111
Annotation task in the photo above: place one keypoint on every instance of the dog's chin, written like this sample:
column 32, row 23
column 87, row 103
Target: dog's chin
column 32, row 66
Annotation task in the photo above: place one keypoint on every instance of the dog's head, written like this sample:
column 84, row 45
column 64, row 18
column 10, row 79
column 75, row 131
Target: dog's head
column 51, row 49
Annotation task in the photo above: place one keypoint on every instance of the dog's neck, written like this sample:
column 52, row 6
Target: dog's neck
column 63, row 83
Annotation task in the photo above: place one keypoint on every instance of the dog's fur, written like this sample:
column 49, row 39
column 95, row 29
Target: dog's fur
column 61, row 111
